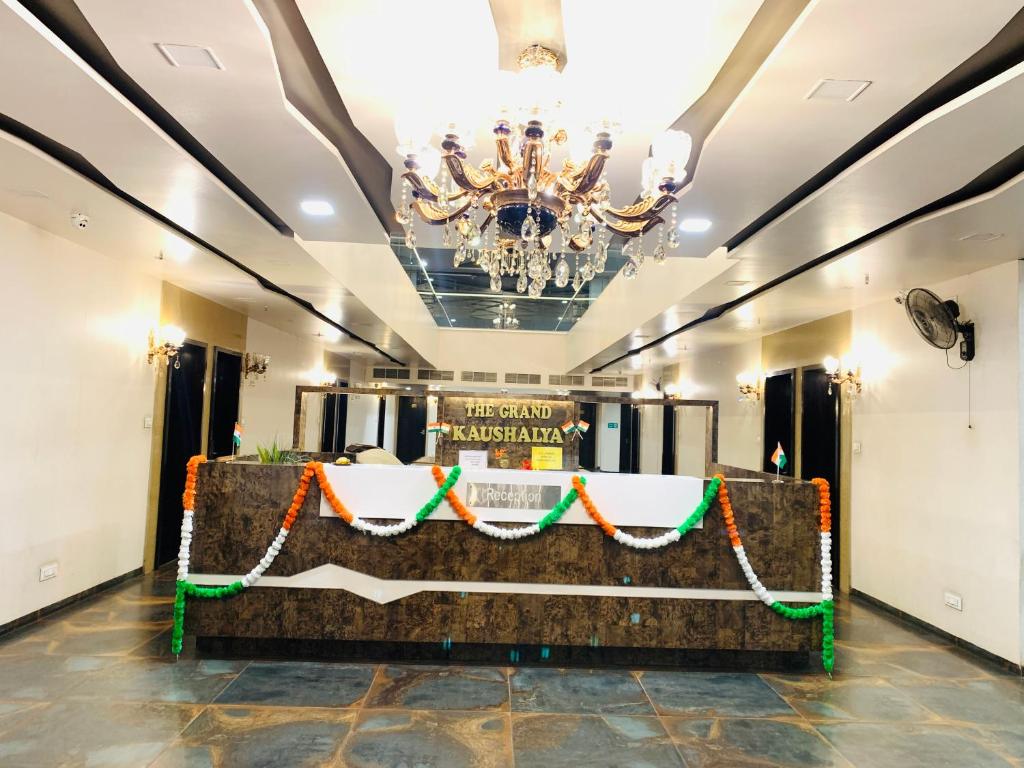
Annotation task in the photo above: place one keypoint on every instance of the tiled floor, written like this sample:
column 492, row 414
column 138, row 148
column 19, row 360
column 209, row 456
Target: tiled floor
column 95, row 686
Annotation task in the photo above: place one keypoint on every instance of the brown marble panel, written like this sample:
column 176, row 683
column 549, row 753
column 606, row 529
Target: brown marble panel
column 240, row 506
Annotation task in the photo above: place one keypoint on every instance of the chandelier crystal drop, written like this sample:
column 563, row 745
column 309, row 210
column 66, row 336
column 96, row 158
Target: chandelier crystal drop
column 506, row 318
column 501, row 215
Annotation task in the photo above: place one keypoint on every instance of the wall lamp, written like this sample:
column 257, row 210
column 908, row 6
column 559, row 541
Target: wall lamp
column 255, row 366
column 750, row 386
column 165, row 344
column 845, row 372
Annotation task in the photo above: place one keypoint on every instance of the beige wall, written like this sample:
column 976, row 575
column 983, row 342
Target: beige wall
column 204, row 322
column 936, row 486
column 76, row 391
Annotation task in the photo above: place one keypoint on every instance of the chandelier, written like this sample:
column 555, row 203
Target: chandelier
column 506, row 318
column 503, row 215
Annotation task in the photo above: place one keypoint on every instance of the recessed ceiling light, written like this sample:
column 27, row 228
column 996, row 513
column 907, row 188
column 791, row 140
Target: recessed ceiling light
column 695, row 225
column 565, row 301
column 189, row 56
column 981, row 237
column 423, row 262
column 317, row 208
column 451, row 320
column 737, row 283
column 837, row 90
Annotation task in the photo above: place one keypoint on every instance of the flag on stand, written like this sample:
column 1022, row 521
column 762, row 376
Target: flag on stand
column 439, row 427
column 582, row 425
column 569, row 427
column 236, row 437
column 779, row 457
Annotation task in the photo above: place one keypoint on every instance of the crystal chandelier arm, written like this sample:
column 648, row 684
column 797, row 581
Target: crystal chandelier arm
column 584, row 180
column 435, row 214
column 424, row 188
column 504, row 147
column 468, row 177
column 646, row 209
column 629, row 228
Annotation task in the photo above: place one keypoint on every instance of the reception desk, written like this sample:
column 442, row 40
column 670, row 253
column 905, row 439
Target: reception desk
column 444, row 590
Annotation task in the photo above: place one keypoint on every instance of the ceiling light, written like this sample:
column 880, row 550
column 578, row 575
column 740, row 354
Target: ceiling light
column 981, row 237
column 837, row 90
column 695, row 225
column 317, row 208
column 530, row 199
column 189, row 56
column 737, row 283
column 423, row 262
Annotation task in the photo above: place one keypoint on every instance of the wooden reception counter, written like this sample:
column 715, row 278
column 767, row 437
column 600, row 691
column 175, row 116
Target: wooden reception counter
column 687, row 603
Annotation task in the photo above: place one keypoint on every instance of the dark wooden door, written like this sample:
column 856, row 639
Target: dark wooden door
column 182, row 439
column 588, row 439
column 629, row 439
column 411, row 440
column 819, row 441
column 227, row 380
column 779, row 415
column 332, row 435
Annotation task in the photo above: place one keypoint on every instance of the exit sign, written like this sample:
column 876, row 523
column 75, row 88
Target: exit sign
column 613, row 425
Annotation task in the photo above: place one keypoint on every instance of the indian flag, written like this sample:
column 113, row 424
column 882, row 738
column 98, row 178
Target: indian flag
column 582, row 425
column 439, row 427
column 568, row 427
column 236, row 436
column 779, row 457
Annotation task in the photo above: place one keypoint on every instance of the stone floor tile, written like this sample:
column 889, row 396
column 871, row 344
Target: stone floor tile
column 703, row 694
column 878, row 745
column 300, row 684
column 239, row 737
column 578, row 691
column 165, row 680
column 47, row 677
column 852, row 698
column 440, row 687
column 422, row 739
column 739, row 743
column 594, row 741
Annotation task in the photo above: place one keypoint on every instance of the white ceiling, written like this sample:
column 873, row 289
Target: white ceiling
column 769, row 142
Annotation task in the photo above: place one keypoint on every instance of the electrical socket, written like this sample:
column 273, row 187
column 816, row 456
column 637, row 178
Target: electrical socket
column 48, row 571
column 954, row 601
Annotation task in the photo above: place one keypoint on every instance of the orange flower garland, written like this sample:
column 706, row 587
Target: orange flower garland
column 730, row 521
column 588, row 505
column 328, row 491
column 188, row 498
column 456, row 503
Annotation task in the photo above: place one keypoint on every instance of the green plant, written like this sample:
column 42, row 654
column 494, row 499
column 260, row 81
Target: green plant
column 272, row 454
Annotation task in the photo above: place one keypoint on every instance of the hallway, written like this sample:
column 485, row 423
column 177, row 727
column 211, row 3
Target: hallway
column 94, row 685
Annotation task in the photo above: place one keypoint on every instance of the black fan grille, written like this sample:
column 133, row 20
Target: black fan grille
column 932, row 318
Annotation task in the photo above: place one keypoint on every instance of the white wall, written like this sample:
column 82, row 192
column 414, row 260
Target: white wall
column 691, row 435
column 652, row 421
column 361, row 420
column 710, row 374
column 607, row 439
column 76, row 388
column 268, row 406
column 935, row 490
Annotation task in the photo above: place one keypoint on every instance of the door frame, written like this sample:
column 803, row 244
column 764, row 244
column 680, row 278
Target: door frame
column 211, row 356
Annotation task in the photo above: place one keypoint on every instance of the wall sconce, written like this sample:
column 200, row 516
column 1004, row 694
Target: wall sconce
column 750, row 386
column 321, row 377
column 165, row 344
column 844, row 372
column 255, row 366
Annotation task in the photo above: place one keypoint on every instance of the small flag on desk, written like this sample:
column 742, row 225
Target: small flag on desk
column 236, row 437
column 439, row 428
column 582, row 425
column 779, row 457
column 569, row 427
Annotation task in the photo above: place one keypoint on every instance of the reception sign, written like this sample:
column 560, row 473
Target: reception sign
column 514, row 496
column 510, row 430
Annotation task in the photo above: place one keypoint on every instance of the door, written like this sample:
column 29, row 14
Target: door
column 629, row 439
column 332, row 437
column 411, row 442
column 668, row 441
column 819, row 441
column 588, row 439
column 227, row 381
column 182, row 439
column 778, row 419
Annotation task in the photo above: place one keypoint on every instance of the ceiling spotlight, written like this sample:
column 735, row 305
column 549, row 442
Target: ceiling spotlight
column 317, row 208
column 695, row 225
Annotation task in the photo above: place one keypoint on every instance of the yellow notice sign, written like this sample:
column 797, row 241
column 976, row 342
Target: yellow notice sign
column 544, row 457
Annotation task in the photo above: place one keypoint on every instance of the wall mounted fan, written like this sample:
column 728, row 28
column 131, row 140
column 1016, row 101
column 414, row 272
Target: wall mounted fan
column 938, row 322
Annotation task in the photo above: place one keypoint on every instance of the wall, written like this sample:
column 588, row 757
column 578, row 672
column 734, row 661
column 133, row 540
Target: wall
column 205, row 322
column 652, row 424
column 936, row 500
column 363, row 415
column 608, row 439
column 76, row 389
column 268, row 405
column 710, row 374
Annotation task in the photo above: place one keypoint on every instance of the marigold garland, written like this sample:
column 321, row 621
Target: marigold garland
column 716, row 489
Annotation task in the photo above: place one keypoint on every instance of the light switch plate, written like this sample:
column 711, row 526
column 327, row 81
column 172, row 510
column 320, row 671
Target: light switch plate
column 954, row 601
column 147, row 422
column 48, row 571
